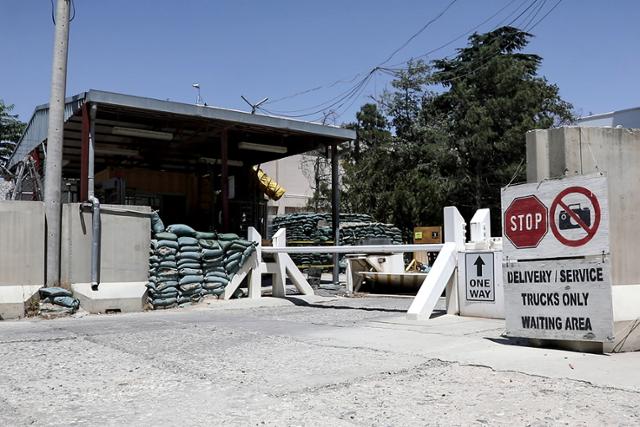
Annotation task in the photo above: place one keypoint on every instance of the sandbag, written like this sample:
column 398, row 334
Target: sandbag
column 165, row 251
column 213, row 285
column 166, row 236
column 222, row 274
column 191, row 279
column 233, row 266
column 187, row 241
column 168, row 264
column 66, row 301
column 161, row 286
column 188, row 255
column 189, row 271
column 192, row 264
column 234, row 257
column 209, row 244
column 167, row 244
column 53, row 292
column 190, row 287
column 228, row 236
column 181, row 230
column 209, row 235
column 156, row 223
column 212, row 253
column 163, row 302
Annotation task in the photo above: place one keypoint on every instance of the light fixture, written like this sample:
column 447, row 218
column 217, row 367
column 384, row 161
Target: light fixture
column 142, row 133
column 262, row 147
column 117, row 152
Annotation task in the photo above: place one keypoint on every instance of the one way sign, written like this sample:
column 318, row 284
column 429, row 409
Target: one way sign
column 480, row 278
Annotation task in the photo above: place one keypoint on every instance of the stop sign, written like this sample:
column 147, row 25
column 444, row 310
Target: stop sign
column 526, row 222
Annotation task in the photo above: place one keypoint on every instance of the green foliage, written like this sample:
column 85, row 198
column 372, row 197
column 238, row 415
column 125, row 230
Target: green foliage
column 10, row 127
column 458, row 133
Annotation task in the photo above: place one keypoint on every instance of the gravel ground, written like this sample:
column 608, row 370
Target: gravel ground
column 263, row 366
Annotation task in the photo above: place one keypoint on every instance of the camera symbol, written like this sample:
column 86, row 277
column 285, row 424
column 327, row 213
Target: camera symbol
column 566, row 221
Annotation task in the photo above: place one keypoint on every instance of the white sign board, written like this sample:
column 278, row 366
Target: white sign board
column 566, row 217
column 559, row 299
column 480, row 282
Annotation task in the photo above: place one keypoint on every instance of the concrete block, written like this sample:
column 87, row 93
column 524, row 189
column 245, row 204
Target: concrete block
column 22, row 243
column 124, row 244
column 111, row 296
column 13, row 300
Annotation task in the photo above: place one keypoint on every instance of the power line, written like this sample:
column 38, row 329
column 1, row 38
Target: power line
column 420, row 31
column 545, row 15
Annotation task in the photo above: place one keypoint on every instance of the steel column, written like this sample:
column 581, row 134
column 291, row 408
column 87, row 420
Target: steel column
column 335, row 208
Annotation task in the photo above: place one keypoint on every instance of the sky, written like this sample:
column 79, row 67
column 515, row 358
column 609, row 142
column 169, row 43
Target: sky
column 279, row 48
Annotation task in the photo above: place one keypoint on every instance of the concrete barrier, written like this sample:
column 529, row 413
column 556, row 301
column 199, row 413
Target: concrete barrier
column 124, row 263
column 22, row 252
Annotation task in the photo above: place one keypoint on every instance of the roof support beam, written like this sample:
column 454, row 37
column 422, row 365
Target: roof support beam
column 224, row 155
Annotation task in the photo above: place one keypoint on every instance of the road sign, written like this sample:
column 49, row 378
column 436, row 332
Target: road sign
column 574, row 208
column 480, row 278
column 559, row 299
column 570, row 217
column 526, row 222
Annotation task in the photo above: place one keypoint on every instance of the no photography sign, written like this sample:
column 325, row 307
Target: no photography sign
column 556, row 218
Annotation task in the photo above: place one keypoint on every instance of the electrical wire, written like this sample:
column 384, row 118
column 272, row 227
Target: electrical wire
column 420, row 31
column 353, row 93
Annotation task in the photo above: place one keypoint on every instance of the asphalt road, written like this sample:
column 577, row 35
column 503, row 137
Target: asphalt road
column 322, row 363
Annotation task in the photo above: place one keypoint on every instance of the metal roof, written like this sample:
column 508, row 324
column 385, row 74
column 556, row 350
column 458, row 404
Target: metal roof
column 195, row 125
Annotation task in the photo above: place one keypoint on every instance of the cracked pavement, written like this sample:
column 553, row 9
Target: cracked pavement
column 342, row 361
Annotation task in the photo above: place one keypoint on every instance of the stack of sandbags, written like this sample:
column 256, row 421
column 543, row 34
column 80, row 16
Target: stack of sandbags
column 163, row 270
column 189, row 264
column 215, row 275
column 236, row 252
column 357, row 233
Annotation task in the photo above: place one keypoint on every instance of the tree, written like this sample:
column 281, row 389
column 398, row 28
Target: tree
column 456, row 132
column 10, row 127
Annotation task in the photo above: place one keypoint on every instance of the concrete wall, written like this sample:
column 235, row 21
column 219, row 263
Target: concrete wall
column 124, row 244
column 576, row 150
column 22, row 243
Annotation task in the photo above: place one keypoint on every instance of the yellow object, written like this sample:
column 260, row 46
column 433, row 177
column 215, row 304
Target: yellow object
column 272, row 189
column 417, row 235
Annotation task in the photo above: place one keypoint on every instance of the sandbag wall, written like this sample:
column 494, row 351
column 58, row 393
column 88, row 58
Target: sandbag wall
column 186, row 265
column 354, row 228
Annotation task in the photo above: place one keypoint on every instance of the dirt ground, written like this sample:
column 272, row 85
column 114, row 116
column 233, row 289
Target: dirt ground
column 299, row 364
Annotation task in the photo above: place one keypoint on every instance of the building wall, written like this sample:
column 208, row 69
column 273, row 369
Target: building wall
column 296, row 175
column 629, row 118
column 553, row 153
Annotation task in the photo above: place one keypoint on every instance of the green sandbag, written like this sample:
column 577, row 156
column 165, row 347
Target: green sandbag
column 209, row 244
column 165, row 251
column 163, row 302
column 187, row 241
column 235, row 257
column 188, row 255
column 156, row 223
column 222, row 274
column 208, row 235
column 190, row 265
column 196, row 278
column 167, row 244
column 190, row 287
column 213, row 285
column 168, row 264
column 166, row 236
column 181, row 230
column 211, row 253
column 192, row 248
column 232, row 266
column 228, row 236
column 189, row 271
column 166, row 285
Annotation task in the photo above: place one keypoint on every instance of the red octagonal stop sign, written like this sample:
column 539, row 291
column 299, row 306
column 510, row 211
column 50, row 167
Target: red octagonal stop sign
column 526, row 222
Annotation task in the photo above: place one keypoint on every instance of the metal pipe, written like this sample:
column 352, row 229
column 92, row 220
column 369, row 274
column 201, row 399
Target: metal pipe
column 92, row 141
column 96, row 236
column 335, row 208
column 361, row 249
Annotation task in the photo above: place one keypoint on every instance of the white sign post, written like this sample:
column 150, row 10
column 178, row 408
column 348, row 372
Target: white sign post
column 559, row 299
column 480, row 280
column 556, row 269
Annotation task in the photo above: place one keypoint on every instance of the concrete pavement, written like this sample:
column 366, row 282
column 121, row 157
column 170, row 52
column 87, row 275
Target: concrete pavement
column 318, row 361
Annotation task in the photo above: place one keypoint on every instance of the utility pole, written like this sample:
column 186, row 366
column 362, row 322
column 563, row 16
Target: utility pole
column 53, row 169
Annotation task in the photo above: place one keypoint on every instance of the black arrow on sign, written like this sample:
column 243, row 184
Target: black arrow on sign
column 479, row 263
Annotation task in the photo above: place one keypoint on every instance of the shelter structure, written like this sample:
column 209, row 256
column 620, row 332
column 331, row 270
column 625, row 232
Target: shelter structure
column 194, row 163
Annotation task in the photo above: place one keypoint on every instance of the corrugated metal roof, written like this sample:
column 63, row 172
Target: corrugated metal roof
column 36, row 131
column 37, row 128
